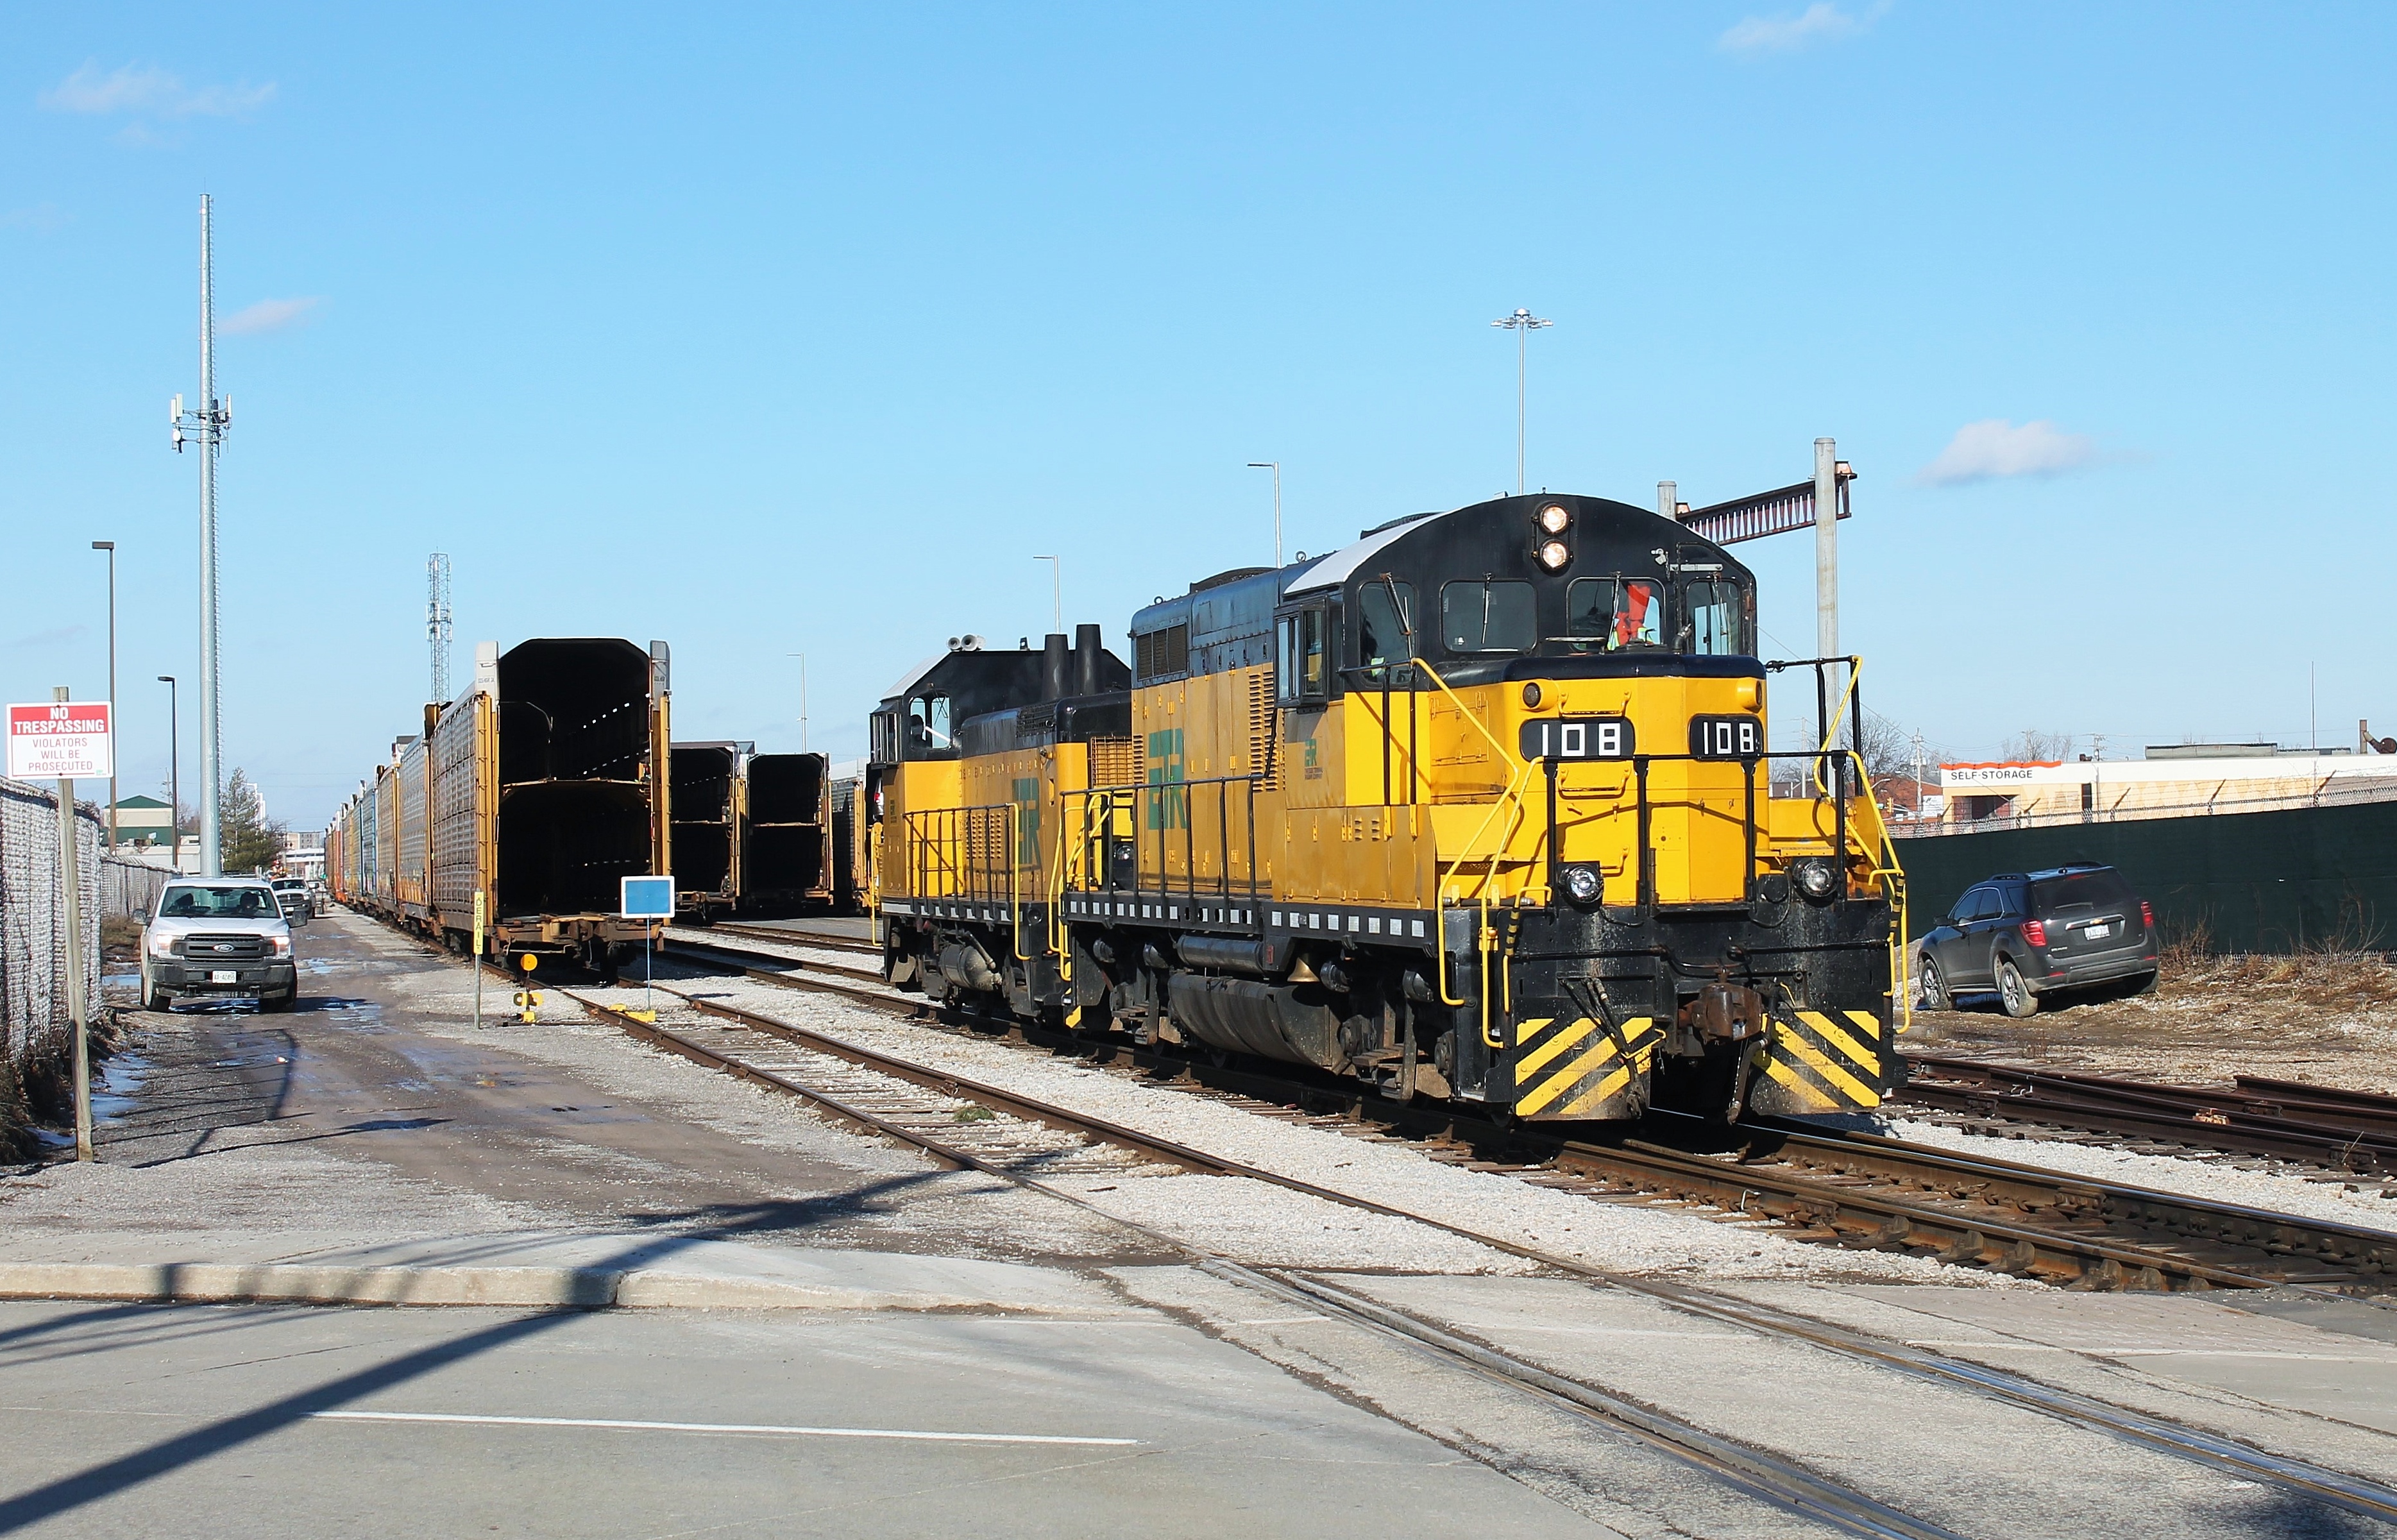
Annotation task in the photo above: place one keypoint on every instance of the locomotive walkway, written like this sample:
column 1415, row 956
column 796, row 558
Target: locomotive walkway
column 998, row 1338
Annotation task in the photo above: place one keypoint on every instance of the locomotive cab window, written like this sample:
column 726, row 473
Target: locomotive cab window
column 1615, row 613
column 1487, row 616
column 1302, row 659
column 1713, row 620
column 1386, row 614
column 928, row 723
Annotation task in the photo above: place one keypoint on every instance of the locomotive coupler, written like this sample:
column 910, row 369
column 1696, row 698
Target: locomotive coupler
column 1723, row 1012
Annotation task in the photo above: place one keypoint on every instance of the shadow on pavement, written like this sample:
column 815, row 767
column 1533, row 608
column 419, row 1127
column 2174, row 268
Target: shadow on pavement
column 110, row 1477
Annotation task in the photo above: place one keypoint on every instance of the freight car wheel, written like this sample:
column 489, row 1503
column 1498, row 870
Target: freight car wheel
column 2013, row 991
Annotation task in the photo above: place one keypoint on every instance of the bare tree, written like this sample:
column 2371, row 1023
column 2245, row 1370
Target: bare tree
column 2033, row 746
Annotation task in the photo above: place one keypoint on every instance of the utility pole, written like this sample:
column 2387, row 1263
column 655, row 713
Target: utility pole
column 78, row 1007
column 1523, row 324
column 1056, row 590
column 1275, row 466
column 110, row 546
column 205, row 426
column 1826, row 548
column 436, row 622
column 174, row 775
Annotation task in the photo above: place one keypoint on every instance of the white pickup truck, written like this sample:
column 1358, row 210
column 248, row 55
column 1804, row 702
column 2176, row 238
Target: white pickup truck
column 218, row 937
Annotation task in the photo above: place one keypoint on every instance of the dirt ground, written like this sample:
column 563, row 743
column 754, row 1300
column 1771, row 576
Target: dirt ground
column 2329, row 1018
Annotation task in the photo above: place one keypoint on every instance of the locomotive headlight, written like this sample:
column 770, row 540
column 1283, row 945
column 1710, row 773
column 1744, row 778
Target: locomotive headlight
column 1581, row 884
column 1553, row 520
column 1815, row 877
column 1553, row 555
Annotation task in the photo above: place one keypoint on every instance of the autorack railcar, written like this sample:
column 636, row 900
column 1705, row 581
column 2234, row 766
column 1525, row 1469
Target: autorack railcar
column 537, row 789
column 1479, row 805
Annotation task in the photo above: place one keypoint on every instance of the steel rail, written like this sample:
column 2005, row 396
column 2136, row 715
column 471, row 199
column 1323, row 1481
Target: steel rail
column 821, row 940
column 2007, row 1238
column 2198, row 1116
column 715, row 952
column 1761, row 1475
column 2335, row 1488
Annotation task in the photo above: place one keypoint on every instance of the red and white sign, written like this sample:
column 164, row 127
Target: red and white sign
column 60, row 741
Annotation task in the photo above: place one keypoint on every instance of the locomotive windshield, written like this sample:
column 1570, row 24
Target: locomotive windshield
column 1487, row 616
column 1386, row 613
column 1614, row 612
column 1713, row 620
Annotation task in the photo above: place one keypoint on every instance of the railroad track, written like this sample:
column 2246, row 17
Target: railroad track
column 925, row 1107
column 784, row 936
column 1849, row 1189
column 2346, row 1130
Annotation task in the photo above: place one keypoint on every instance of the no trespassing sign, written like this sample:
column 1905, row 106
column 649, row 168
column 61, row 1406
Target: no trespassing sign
column 59, row 740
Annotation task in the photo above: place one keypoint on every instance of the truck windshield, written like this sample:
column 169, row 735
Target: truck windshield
column 191, row 901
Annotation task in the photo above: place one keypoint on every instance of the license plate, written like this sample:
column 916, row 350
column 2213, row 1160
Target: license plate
column 2098, row 932
column 223, row 975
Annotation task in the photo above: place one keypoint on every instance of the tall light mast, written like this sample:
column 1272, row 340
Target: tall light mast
column 436, row 622
column 205, row 426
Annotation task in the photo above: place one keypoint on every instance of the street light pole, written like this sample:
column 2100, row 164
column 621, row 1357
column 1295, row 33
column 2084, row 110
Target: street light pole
column 1523, row 324
column 174, row 774
column 110, row 546
column 1056, row 590
column 1275, row 466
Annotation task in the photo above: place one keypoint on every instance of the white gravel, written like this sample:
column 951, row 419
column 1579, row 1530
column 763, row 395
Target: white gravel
column 2217, row 1181
column 1656, row 1240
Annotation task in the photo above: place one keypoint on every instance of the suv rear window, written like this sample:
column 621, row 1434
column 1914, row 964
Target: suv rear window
column 2103, row 888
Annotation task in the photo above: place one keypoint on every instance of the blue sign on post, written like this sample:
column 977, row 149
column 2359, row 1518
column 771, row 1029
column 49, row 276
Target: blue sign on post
column 647, row 898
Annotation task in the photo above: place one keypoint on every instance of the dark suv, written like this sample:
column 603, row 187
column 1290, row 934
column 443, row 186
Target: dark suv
column 2025, row 934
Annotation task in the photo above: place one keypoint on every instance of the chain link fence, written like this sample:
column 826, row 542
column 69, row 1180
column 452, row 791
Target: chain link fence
column 33, row 1021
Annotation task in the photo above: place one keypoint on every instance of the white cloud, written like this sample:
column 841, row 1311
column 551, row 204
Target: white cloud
column 268, row 316
column 42, row 218
column 149, row 91
column 1819, row 22
column 1994, row 447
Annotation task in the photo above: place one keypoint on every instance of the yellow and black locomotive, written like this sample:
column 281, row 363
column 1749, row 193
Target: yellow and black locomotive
column 1480, row 805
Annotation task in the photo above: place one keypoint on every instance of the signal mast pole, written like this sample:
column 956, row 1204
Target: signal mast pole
column 205, row 426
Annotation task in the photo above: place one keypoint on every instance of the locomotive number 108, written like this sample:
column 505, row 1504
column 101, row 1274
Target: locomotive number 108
column 1725, row 738
column 1575, row 738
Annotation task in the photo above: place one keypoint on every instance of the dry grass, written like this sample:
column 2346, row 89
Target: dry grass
column 2328, row 1016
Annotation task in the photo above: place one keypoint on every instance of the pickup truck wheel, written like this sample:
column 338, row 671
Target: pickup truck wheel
column 284, row 1001
column 2014, row 990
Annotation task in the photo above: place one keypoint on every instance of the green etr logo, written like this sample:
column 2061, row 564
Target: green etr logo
column 1166, row 808
column 1028, row 820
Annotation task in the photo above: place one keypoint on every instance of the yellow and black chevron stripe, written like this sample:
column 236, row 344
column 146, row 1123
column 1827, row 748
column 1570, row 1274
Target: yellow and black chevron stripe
column 1571, row 1067
column 1822, row 1061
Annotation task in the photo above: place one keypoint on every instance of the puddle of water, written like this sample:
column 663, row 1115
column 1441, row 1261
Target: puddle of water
column 122, row 981
column 114, row 1094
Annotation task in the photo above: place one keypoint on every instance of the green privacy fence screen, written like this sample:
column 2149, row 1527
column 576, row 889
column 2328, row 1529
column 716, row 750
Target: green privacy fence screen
column 2282, row 882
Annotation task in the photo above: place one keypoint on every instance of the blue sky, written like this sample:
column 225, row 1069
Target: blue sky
column 770, row 329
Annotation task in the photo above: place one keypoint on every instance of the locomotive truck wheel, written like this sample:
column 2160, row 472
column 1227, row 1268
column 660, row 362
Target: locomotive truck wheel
column 2013, row 991
column 1934, row 986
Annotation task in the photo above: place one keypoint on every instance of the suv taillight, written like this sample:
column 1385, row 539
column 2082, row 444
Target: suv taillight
column 2035, row 931
column 2147, row 915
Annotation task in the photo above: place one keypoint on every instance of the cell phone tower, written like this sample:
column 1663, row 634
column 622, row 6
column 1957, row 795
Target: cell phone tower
column 437, row 621
column 205, row 425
